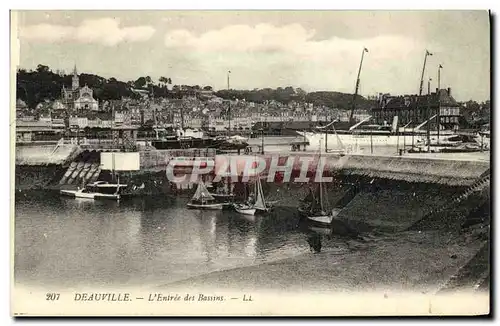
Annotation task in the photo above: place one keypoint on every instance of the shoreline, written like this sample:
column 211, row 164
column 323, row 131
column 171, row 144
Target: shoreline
column 409, row 261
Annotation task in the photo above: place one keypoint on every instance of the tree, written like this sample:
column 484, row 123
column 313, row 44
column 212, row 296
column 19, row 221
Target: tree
column 42, row 68
column 164, row 81
column 140, row 82
column 207, row 88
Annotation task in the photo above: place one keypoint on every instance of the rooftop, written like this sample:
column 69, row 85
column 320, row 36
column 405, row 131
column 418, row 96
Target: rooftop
column 441, row 96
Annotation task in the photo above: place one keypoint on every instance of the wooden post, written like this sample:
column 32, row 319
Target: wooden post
column 413, row 130
column 397, row 143
column 371, row 141
column 326, row 139
column 305, row 139
column 428, row 125
column 439, row 103
column 262, row 149
column 404, row 139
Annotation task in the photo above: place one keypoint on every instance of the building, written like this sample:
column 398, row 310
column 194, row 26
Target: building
column 27, row 131
column 79, row 99
column 78, row 122
column 413, row 110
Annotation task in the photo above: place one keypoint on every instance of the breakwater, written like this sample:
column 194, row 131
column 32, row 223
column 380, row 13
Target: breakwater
column 422, row 184
column 437, row 170
column 445, row 169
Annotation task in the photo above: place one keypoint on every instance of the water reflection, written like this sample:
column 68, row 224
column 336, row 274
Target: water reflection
column 149, row 241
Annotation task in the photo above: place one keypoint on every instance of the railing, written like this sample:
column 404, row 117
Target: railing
column 161, row 158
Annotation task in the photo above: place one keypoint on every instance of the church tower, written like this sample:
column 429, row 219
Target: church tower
column 75, row 84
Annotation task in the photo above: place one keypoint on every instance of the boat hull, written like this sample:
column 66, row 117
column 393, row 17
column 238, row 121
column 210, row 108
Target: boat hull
column 354, row 140
column 226, row 200
column 320, row 220
column 89, row 195
column 245, row 210
column 216, row 206
column 222, row 196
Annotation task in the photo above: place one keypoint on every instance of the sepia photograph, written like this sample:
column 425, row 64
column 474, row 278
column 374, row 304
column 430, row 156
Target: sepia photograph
column 250, row 163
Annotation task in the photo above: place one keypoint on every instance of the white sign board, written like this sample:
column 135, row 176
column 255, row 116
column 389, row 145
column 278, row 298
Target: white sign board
column 120, row 161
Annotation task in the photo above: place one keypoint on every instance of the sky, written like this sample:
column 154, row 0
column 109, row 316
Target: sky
column 314, row 50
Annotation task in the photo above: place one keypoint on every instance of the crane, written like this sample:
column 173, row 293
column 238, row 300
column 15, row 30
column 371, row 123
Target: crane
column 427, row 53
column 357, row 87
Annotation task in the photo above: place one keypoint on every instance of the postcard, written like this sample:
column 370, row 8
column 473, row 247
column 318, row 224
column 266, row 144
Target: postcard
column 250, row 163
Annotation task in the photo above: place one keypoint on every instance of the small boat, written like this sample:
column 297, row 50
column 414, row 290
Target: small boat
column 251, row 207
column 222, row 197
column 245, row 209
column 98, row 190
column 223, row 194
column 202, row 199
column 227, row 200
column 314, row 210
column 313, row 207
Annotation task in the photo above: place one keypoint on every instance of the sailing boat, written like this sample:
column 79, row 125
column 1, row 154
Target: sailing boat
column 250, row 208
column 99, row 189
column 314, row 208
column 202, row 199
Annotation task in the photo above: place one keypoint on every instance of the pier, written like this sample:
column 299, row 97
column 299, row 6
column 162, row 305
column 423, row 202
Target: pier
column 446, row 169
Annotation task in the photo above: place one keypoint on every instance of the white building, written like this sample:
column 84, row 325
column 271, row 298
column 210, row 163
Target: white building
column 81, row 122
column 79, row 98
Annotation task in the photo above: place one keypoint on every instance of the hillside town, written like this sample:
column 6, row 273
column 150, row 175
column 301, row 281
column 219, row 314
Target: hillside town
column 77, row 109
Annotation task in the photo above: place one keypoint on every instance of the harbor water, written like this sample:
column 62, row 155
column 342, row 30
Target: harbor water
column 78, row 243
column 152, row 242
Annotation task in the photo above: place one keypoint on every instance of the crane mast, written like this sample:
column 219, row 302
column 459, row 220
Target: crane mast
column 427, row 53
column 357, row 87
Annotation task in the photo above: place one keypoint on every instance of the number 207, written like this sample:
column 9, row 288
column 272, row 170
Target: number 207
column 52, row 296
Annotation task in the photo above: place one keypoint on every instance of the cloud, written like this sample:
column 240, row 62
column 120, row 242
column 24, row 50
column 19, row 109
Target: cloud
column 266, row 55
column 262, row 37
column 106, row 31
column 293, row 38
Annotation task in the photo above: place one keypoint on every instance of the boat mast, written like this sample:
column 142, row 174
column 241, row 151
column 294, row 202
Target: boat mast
column 229, row 107
column 428, row 116
column 357, row 86
column 321, row 196
column 182, row 118
column 113, row 165
column 320, row 186
column 439, row 102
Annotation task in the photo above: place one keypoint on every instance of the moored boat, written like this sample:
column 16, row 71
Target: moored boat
column 245, row 209
column 222, row 193
column 372, row 135
column 314, row 209
column 253, row 206
column 202, row 199
column 98, row 190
